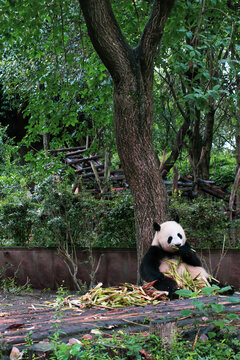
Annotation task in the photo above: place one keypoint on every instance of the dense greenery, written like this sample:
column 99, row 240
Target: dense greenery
column 53, row 216
column 50, row 214
column 51, row 74
column 213, row 349
column 50, row 70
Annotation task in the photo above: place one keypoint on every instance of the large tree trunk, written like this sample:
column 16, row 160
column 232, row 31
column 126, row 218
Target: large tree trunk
column 132, row 73
column 133, row 128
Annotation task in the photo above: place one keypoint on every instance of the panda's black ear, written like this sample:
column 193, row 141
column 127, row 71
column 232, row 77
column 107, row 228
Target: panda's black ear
column 156, row 226
column 176, row 218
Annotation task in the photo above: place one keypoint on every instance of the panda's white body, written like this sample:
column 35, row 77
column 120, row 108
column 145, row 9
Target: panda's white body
column 169, row 244
column 195, row 271
column 171, row 229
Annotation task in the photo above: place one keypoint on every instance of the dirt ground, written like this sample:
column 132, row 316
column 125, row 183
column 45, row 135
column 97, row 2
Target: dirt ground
column 25, row 299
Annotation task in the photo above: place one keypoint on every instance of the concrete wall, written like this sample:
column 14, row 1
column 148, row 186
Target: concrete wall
column 45, row 269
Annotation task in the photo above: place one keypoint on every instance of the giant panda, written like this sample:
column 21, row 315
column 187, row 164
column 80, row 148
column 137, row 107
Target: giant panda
column 169, row 243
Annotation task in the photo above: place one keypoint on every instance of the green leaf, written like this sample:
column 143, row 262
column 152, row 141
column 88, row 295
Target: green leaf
column 209, row 290
column 232, row 317
column 186, row 312
column 232, row 300
column 198, row 304
column 219, row 323
column 184, row 293
column 211, row 334
column 226, row 288
column 217, row 307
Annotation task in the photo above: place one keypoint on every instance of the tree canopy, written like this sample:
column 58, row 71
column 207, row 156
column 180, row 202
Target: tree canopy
column 74, row 75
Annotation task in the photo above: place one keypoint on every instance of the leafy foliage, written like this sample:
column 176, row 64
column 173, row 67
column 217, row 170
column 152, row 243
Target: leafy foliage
column 223, row 169
column 47, row 48
column 49, row 69
column 54, row 216
column 203, row 220
column 150, row 345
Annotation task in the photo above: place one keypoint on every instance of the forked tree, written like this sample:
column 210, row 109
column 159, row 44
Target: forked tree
column 132, row 73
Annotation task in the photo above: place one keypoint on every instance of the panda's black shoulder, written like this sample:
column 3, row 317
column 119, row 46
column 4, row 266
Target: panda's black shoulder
column 156, row 252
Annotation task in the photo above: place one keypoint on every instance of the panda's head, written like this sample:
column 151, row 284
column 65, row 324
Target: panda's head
column 169, row 235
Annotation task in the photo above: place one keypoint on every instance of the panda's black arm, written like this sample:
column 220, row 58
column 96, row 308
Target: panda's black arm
column 188, row 255
column 149, row 269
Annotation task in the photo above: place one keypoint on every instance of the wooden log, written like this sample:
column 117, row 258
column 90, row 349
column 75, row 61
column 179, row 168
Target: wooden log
column 95, row 157
column 166, row 330
column 91, row 174
column 77, row 152
column 120, row 171
column 68, row 149
column 88, row 168
column 71, row 161
column 183, row 179
column 213, row 192
column 96, row 174
column 206, row 181
column 180, row 183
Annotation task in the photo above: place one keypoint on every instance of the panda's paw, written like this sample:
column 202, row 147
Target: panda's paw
column 185, row 250
column 172, row 294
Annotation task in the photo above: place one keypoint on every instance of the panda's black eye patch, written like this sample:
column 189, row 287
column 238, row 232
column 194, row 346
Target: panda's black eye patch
column 169, row 239
column 179, row 235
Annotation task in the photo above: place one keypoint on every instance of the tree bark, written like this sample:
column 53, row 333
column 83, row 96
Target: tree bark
column 207, row 143
column 132, row 74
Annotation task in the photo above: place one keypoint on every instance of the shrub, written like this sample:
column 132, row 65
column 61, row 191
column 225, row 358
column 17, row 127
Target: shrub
column 151, row 346
column 203, row 220
column 54, row 216
column 223, row 169
column 118, row 225
column 16, row 221
column 85, row 220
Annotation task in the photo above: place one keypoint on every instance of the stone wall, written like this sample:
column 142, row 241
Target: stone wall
column 45, row 268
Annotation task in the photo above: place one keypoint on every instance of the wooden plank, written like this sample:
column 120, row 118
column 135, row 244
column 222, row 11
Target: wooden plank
column 15, row 324
column 68, row 149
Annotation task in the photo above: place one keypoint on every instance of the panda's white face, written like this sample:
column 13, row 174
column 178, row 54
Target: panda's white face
column 169, row 236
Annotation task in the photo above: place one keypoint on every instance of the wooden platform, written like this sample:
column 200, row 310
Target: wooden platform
column 42, row 322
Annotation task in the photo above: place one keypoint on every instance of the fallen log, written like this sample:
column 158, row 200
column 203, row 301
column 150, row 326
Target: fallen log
column 67, row 149
column 40, row 319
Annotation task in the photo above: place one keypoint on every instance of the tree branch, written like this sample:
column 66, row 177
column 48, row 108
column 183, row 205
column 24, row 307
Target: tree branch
column 152, row 33
column 106, row 36
column 111, row 45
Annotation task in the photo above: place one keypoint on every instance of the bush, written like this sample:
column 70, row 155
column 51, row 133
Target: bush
column 16, row 221
column 54, row 216
column 203, row 220
column 223, row 169
column 87, row 221
column 118, row 224
column 151, row 346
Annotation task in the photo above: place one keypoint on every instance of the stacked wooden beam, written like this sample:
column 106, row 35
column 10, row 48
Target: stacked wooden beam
column 91, row 170
column 187, row 187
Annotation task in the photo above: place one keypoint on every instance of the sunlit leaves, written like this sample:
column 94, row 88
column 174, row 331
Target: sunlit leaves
column 49, row 65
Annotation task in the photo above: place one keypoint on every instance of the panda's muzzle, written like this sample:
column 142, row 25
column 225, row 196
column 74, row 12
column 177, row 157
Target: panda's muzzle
column 177, row 245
